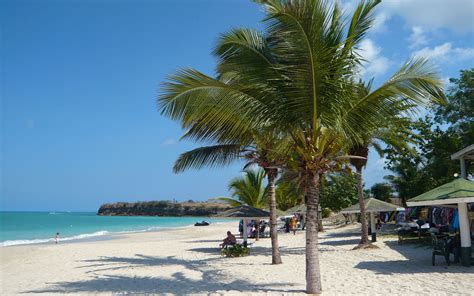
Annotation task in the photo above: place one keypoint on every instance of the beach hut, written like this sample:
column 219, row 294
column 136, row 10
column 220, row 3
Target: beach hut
column 372, row 206
column 246, row 213
column 463, row 155
column 458, row 193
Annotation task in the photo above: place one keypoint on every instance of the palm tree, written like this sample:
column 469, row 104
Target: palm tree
column 263, row 148
column 248, row 190
column 298, row 79
column 288, row 194
column 392, row 130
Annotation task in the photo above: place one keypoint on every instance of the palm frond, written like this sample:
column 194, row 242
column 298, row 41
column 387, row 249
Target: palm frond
column 250, row 189
column 208, row 156
column 209, row 105
column 361, row 22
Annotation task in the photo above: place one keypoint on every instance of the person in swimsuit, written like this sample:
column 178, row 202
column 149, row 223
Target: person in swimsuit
column 230, row 240
column 293, row 224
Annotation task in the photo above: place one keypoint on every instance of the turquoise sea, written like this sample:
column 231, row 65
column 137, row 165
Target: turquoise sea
column 18, row 228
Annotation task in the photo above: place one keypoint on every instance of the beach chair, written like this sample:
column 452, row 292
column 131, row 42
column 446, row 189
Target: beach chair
column 440, row 247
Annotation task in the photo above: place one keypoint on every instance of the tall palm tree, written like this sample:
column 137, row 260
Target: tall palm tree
column 392, row 130
column 297, row 77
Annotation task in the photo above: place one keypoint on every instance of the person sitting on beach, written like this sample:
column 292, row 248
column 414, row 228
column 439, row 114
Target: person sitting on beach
column 230, row 240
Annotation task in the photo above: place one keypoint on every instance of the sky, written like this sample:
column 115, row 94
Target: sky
column 79, row 80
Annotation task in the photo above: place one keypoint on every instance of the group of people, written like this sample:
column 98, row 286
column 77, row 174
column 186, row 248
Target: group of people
column 291, row 224
column 252, row 227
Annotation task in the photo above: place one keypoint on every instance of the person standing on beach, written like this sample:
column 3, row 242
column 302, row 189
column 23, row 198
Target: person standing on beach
column 293, row 223
column 56, row 238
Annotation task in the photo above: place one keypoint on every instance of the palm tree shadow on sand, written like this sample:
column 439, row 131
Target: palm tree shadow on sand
column 211, row 280
column 416, row 262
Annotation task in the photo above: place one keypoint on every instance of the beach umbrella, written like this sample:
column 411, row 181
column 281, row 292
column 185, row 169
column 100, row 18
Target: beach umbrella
column 278, row 212
column 244, row 212
column 299, row 209
column 373, row 205
column 459, row 192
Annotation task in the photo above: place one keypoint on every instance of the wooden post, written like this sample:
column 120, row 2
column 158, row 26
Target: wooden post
column 463, row 168
column 372, row 226
column 465, row 234
column 245, row 232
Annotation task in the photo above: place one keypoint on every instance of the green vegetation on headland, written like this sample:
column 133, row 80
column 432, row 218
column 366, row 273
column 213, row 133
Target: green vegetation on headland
column 162, row 208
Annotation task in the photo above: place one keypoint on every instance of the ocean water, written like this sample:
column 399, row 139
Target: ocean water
column 18, row 228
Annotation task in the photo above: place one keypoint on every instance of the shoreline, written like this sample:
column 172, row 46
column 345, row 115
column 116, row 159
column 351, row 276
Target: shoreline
column 101, row 235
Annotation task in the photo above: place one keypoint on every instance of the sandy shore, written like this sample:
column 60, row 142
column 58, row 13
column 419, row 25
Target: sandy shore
column 187, row 261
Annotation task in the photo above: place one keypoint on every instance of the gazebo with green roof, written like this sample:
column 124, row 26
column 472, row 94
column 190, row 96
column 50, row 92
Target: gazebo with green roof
column 459, row 192
column 373, row 205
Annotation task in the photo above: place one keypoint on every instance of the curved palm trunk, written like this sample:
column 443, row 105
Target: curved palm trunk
column 313, row 273
column 271, row 175
column 363, row 217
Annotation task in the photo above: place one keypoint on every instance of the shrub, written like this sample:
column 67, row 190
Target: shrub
column 326, row 212
column 235, row 251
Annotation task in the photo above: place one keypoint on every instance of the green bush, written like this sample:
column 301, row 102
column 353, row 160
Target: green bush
column 326, row 212
column 235, row 251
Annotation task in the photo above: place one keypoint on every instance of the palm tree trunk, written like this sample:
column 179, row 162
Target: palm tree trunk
column 313, row 273
column 364, row 240
column 271, row 175
column 257, row 234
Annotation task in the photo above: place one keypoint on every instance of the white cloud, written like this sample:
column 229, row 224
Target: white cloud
column 446, row 82
column 456, row 15
column 445, row 52
column 417, row 37
column 464, row 53
column 375, row 64
column 170, row 142
column 379, row 22
column 380, row 161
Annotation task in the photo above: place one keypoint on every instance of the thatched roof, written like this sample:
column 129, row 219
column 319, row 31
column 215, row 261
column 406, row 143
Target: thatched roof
column 244, row 212
column 373, row 205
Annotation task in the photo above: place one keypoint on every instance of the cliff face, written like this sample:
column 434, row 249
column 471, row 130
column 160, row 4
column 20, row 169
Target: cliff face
column 162, row 208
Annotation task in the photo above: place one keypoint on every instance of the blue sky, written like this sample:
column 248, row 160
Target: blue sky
column 79, row 79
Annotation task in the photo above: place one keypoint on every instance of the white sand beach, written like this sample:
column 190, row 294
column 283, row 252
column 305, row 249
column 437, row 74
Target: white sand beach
column 187, row 261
